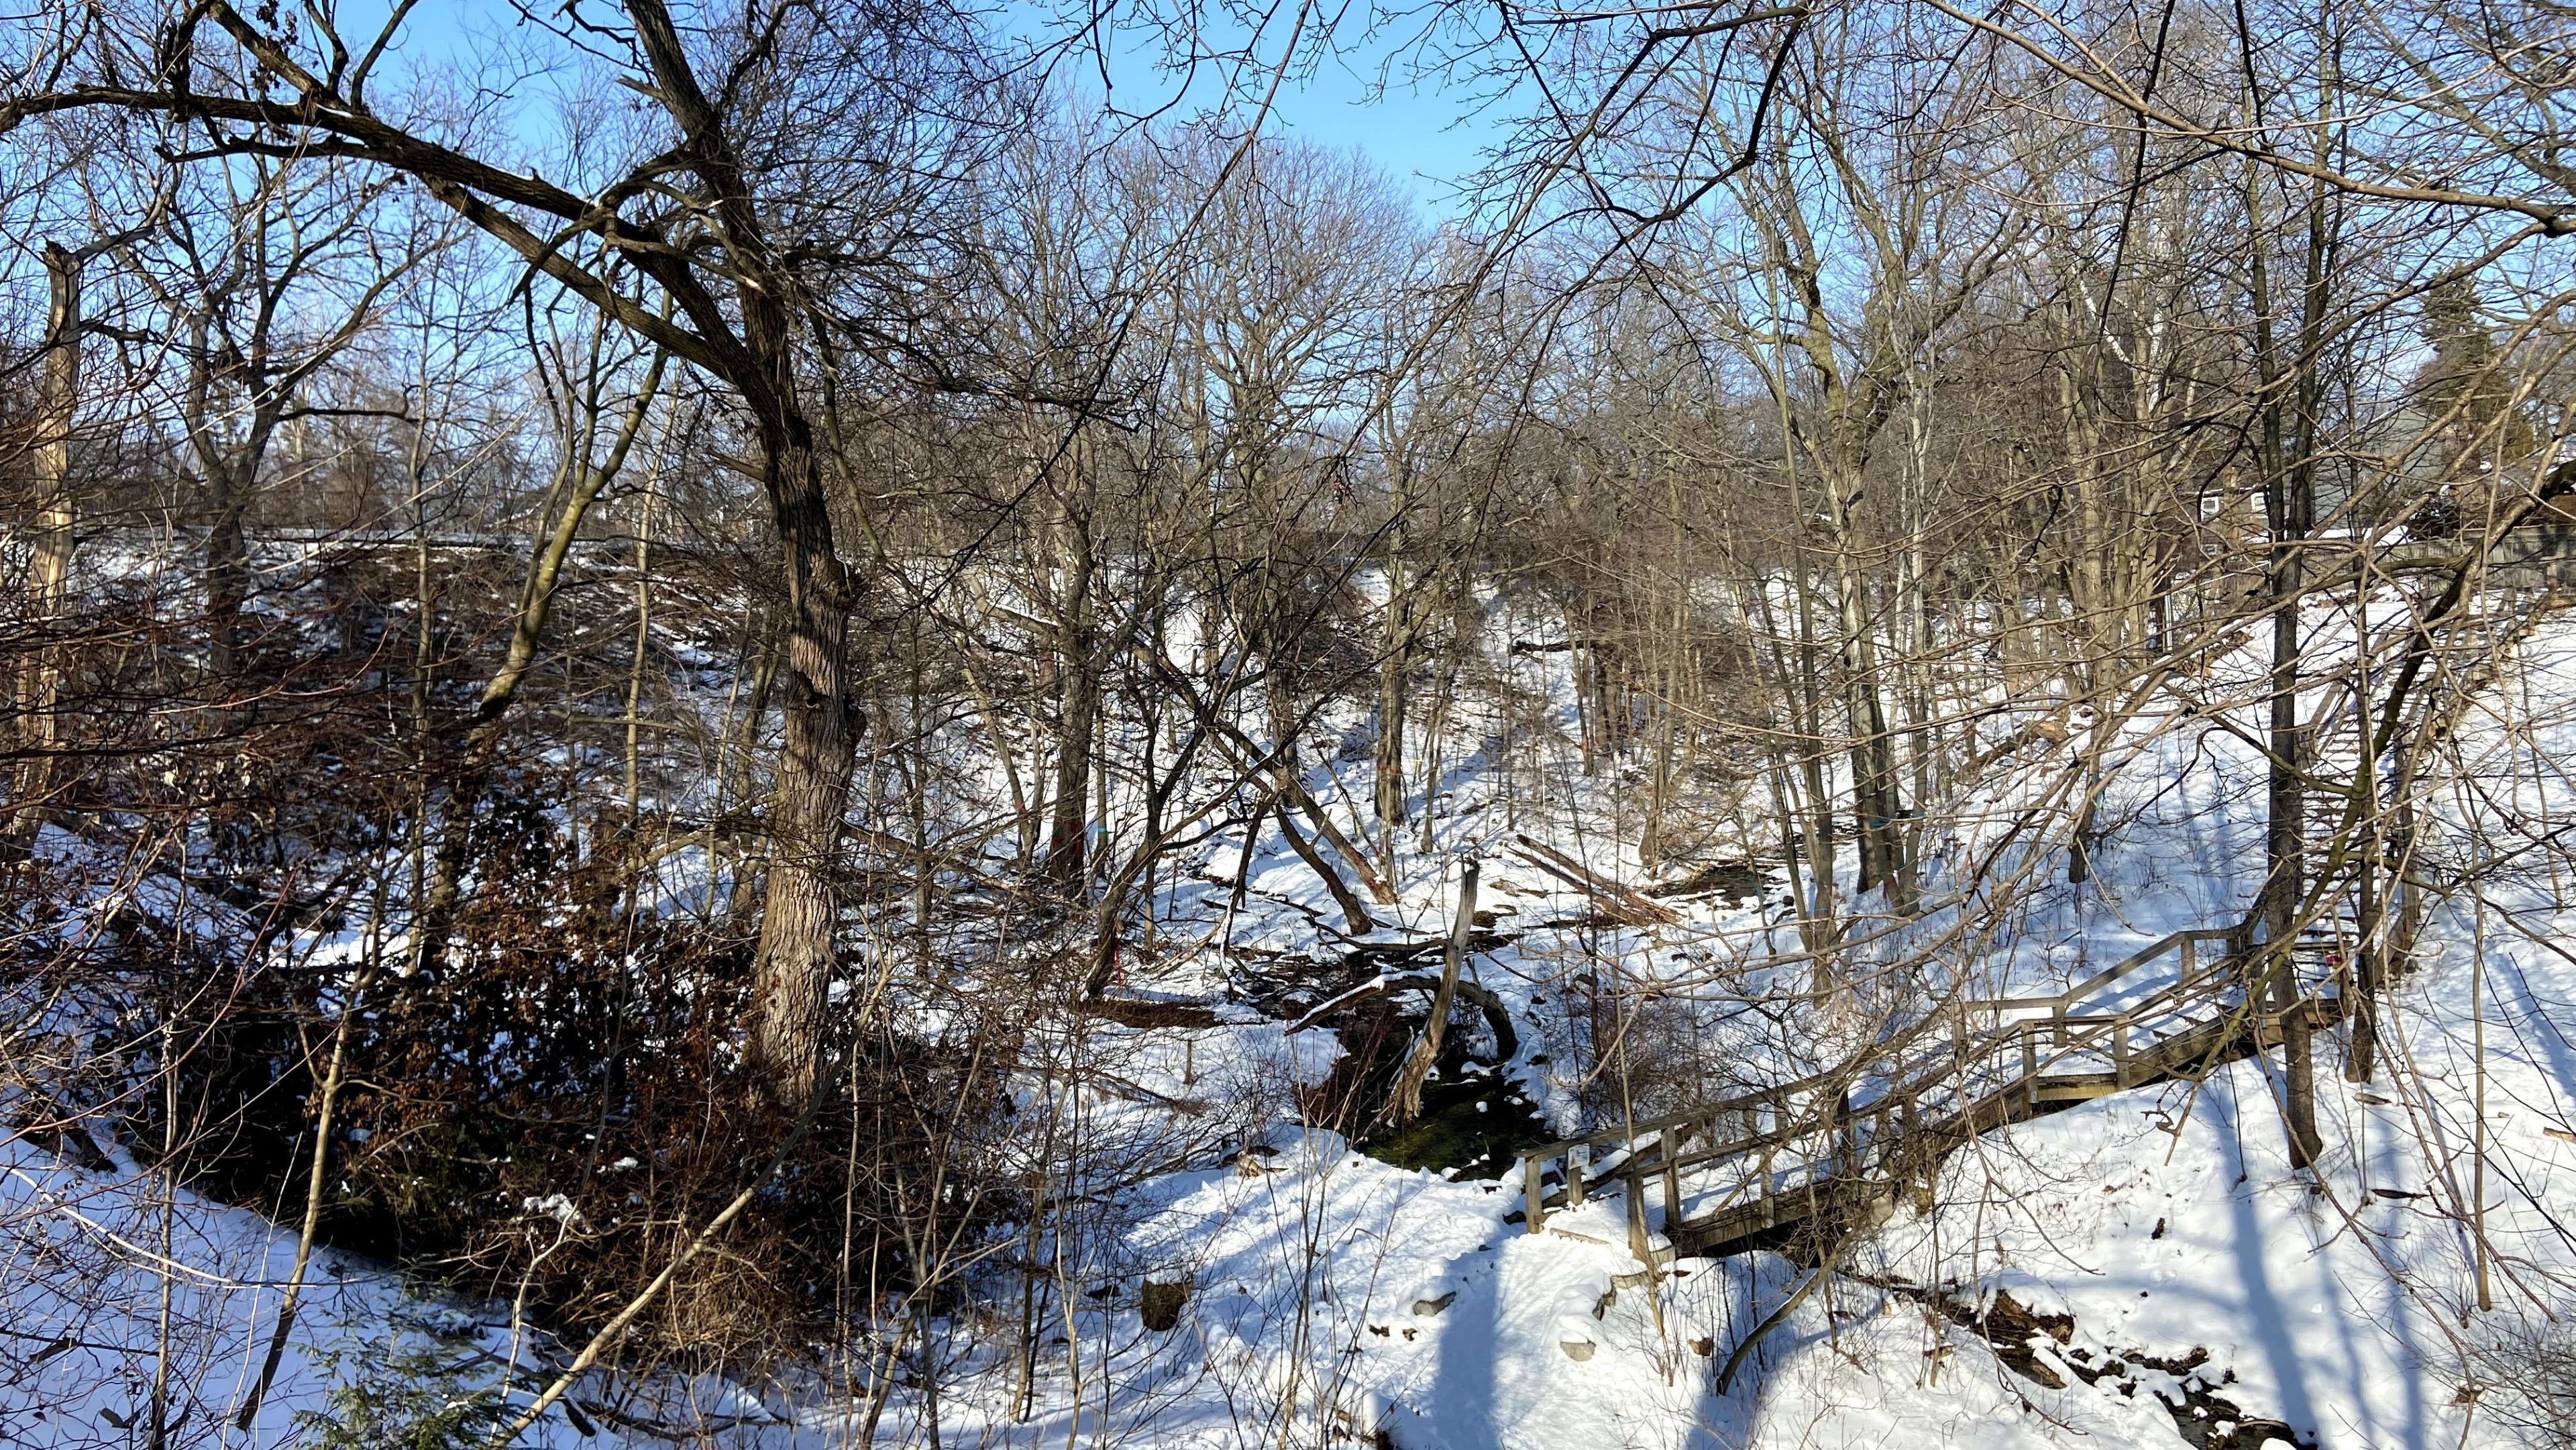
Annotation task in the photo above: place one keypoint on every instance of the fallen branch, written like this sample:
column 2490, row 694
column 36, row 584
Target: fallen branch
column 1498, row 1018
column 1772, row 1320
column 1613, row 898
column 314, row 1185
column 615, row 1330
column 1354, row 915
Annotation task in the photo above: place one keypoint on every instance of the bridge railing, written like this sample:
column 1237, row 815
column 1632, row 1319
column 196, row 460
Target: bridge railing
column 1969, row 1053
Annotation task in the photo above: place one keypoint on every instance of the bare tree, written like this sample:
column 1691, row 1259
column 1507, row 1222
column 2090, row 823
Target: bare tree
column 801, row 235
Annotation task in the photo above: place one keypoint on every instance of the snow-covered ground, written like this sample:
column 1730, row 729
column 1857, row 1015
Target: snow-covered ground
column 2186, row 1283
column 115, row 1284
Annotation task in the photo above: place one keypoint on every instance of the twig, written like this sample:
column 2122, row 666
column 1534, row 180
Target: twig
column 606, row 1339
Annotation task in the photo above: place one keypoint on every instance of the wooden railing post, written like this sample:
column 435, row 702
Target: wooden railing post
column 1534, row 1190
column 1770, row 1215
column 2120, row 1050
column 1578, row 1166
column 1637, row 1244
column 2030, row 1061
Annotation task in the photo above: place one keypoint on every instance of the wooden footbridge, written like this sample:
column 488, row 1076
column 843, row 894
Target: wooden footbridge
column 1798, row 1165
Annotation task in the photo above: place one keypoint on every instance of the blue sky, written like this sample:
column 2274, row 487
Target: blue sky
column 1423, row 136
column 1358, row 95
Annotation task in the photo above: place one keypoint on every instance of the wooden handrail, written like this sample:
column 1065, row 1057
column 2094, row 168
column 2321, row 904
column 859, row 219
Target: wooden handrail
column 1907, row 1087
column 1609, row 1137
column 2099, row 980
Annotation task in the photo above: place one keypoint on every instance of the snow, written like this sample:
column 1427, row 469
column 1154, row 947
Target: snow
column 2166, row 1221
column 1334, row 1296
column 91, row 1257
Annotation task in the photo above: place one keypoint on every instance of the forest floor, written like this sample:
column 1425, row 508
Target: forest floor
column 2143, row 1269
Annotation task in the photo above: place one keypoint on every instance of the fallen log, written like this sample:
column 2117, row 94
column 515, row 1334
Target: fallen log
column 1613, row 898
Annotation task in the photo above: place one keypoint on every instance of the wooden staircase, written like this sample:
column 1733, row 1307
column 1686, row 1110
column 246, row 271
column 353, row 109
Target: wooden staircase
column 1796, row 1166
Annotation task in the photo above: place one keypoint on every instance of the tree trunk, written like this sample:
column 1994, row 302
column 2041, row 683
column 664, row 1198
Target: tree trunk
column 49, row 573
column 227, row 566
column 1396, row 655
column 1354, row 915
column 792, row 974
column 1069, row 827
column 1078, row 671
column 2363, row 1017
column 1405, row 1103
column 232, row 479
column 1388, row 761
column 2286, row 504
column 1874, row 800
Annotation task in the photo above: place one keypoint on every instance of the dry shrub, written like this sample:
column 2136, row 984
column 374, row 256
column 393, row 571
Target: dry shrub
column 2526, row 1376
column 551, row 1114
column 1660, row 1058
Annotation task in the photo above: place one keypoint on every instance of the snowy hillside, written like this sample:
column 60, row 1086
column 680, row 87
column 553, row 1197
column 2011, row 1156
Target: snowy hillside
column 2141, row 1269
column 1165, row 726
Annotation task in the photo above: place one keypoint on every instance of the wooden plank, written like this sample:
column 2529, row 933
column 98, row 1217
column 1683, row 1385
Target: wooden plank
column 1612, row 1137
column 2075, row 1092
column 2137, row 959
